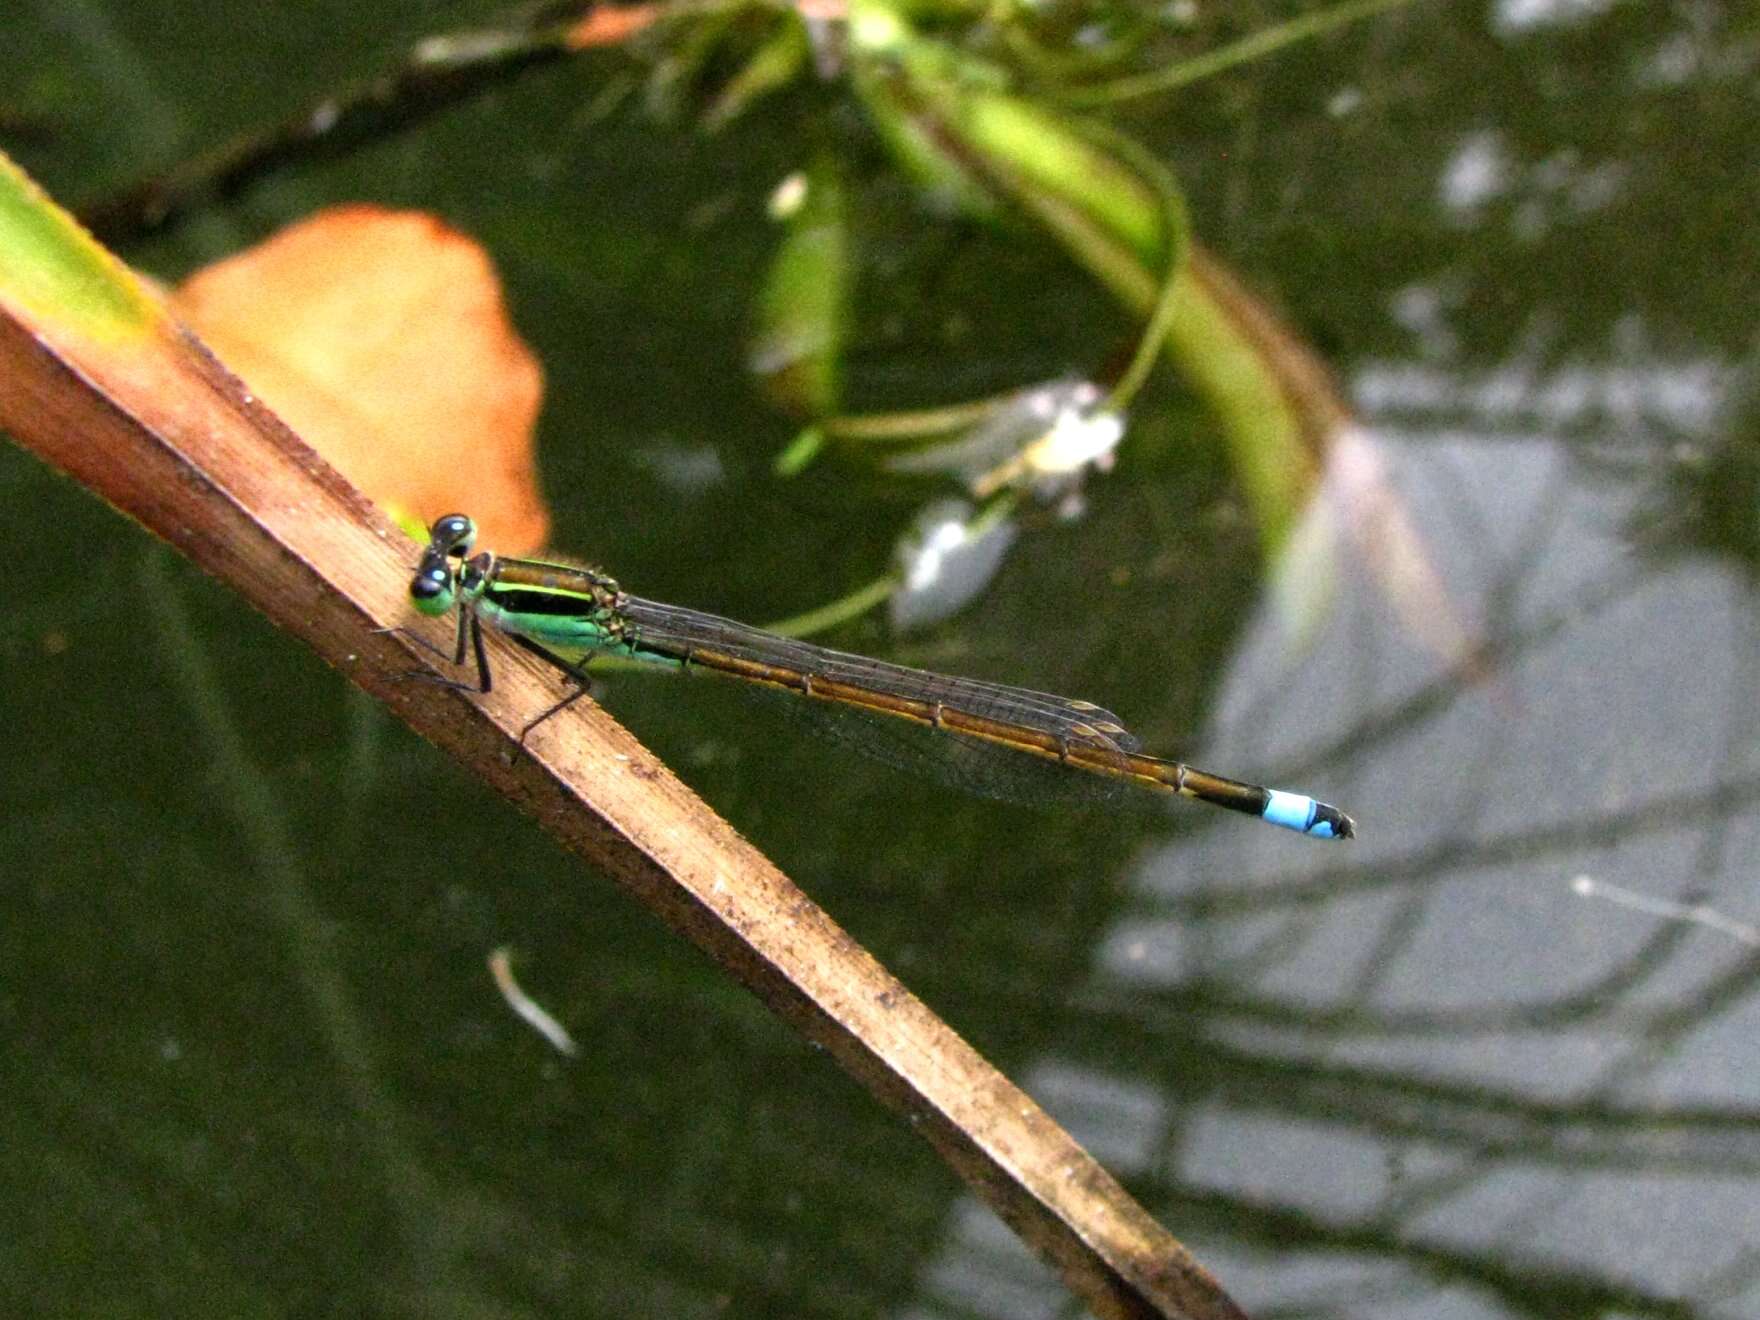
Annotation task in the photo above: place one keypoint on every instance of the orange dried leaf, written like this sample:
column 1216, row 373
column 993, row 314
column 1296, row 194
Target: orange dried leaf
column 611, row 25
column 383, row 339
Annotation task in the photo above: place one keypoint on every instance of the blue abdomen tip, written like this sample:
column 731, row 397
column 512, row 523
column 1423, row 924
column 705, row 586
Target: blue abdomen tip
column 1302, row 814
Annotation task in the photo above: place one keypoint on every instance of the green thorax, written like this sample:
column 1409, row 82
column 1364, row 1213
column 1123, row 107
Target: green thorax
column 563, row 608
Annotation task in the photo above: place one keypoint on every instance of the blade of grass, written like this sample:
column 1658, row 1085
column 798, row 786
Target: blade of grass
column 1254, row 46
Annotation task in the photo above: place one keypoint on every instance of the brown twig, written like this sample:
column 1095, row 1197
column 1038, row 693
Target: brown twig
column 432, row 74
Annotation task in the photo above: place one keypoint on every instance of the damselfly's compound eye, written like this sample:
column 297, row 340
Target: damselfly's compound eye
column 453, row 534
column 431, row 588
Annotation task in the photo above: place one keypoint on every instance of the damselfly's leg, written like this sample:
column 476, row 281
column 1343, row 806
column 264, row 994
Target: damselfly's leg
column 483, row 684
column 584, row 684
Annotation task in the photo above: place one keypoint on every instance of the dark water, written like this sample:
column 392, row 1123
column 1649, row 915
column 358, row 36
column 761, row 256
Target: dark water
column 1496, row 1058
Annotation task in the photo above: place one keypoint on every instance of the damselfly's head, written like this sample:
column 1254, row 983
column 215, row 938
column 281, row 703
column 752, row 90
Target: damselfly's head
column 435, row 587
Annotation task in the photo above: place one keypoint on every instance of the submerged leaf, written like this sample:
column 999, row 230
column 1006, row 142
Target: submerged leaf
column 803, row 311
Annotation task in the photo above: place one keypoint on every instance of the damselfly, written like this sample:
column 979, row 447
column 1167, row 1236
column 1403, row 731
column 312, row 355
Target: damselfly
column 569, row 615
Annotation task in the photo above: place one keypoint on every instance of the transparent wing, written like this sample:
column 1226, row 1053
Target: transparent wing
column 691, row 635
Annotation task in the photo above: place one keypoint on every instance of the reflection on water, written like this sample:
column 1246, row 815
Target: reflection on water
column 1520, row 1017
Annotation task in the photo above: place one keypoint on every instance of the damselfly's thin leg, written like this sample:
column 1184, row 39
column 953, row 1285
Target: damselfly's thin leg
column 584, row 681
column 467, row 619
